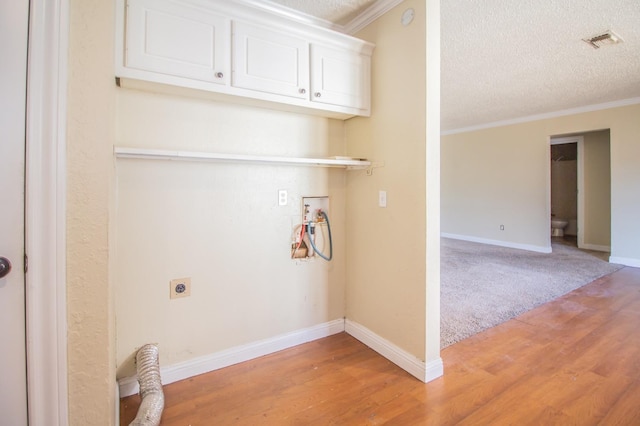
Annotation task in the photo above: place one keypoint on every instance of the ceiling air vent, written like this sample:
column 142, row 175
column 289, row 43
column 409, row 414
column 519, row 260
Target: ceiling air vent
column 603, row 39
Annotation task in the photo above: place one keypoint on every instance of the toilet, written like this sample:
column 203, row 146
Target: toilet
column 557, row 227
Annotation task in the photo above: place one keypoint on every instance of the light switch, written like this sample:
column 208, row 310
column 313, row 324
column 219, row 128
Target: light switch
column 382, row 199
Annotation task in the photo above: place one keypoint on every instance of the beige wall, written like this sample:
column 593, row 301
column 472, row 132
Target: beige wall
column 221, row 225
column 597, row 189
column 386, row 273
column 496, row 177
column 91, row 130
column 501, row 176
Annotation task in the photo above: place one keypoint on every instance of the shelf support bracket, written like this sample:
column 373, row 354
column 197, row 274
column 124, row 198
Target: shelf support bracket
column 374, row 165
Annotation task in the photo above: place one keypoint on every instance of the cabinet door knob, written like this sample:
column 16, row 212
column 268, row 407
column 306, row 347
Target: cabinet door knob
column 219, row 75
column 317, row 94
column 5, row 267
column 302, row 91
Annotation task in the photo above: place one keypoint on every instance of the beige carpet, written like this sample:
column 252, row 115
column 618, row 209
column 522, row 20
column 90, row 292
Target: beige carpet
column 484, row 285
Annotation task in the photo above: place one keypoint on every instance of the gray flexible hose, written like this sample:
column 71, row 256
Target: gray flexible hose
column 152, row 404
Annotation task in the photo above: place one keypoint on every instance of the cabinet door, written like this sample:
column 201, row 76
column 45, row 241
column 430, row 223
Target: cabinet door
column 340, row 77
column 172, row 38
column 269, row 61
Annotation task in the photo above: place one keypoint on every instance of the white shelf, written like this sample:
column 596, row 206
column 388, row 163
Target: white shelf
column 158, row 154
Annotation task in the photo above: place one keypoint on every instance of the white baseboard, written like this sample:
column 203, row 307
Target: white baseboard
column 204, row 364
column 595, row 247
column 117, row 408
column 529, row 247
column 423, row 371
column 626, row 261
column 173, row 373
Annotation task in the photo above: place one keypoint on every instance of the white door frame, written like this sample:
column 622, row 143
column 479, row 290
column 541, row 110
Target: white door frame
column 579, row 140
column 45, row 215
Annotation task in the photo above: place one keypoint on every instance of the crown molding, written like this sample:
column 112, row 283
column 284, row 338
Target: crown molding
column 369, row 15
column 289, row 13
column 544, row 116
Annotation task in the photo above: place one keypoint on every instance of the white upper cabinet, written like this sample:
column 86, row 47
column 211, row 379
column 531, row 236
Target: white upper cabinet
column 340, row 77
column 239, row 51
column 269, row 61
column 175, row 39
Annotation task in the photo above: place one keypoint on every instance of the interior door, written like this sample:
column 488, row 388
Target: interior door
column 13, row 77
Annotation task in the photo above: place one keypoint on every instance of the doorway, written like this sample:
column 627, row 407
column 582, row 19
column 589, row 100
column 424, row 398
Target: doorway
column 564, row 188
column 580, row 188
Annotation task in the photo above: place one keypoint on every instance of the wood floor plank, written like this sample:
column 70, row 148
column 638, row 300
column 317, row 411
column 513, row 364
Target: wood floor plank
column 575, row 360
column 594, row 402
column 625, row 411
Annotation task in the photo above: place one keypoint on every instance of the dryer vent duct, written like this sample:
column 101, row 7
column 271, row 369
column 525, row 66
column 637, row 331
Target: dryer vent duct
column 152, row 404
column 604, row 39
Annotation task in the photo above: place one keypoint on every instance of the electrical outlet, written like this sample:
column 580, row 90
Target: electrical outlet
column 282, row 197
column 180, row 287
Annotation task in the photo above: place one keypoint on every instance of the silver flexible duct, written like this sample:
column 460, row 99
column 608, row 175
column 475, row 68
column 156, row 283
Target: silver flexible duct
column 152, row 404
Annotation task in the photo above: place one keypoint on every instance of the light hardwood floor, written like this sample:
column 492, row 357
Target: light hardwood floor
column 573, row 361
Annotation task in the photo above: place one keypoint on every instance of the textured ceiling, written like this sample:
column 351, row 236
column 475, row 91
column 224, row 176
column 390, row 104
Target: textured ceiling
column 509, row 59
column 505, row 60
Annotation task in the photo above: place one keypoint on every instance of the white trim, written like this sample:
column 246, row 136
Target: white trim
column 116, row 417
column 403, row 359
column 369, row 15
column 544, row 116
column 565, row 139
column 581, row 208
column 626, row 261
column 580, row 203
column 432, row 185
column 291, row 14
column 46, row 214
column 433, row 369
column 204, row 364
column 160, row 154
column 596, row 247
column 529, row 247
column 547, row 165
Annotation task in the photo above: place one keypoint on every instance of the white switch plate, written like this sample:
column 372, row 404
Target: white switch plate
column 282, row 197
column 180, row 287
column 382, row 198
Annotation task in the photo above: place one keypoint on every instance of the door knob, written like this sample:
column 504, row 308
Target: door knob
column 5, row 267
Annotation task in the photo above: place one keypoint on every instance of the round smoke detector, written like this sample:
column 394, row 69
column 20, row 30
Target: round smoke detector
column 407, row 16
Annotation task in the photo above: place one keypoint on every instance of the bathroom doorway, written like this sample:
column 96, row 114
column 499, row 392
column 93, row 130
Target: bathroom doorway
column 564, row 188
column 581, row 188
